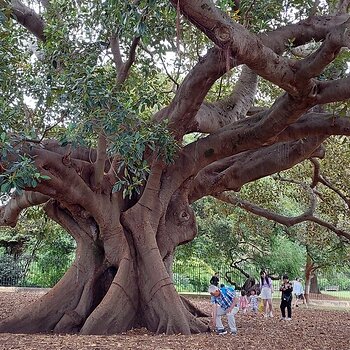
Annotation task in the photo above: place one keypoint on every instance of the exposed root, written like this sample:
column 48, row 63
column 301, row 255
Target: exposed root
column 43, row 315
column 193, row 309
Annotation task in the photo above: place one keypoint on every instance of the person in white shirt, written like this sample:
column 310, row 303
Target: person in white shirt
column 266, row 289
column 298, row 291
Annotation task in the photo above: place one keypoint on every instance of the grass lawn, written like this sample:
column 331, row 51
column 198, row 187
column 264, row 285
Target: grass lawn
column 344, row 294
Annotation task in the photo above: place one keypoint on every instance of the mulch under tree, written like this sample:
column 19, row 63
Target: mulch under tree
column 311, row 328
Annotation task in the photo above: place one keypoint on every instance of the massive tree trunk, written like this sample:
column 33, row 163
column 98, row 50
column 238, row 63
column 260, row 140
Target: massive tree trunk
column 121, row 276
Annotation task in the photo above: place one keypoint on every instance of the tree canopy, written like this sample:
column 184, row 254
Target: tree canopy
column 116, row 116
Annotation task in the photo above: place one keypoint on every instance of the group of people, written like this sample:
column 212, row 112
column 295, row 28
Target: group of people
column 225, row 301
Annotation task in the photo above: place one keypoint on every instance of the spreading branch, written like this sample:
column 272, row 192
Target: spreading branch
column 124, row 69
column 282, row 219
column 249, row 49
column 319, row 178
column 233, row 172
column 10, row 212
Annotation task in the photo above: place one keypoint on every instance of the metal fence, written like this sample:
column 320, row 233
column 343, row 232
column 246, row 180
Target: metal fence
column 189, row 276
column 194, row 278
column 28, row 272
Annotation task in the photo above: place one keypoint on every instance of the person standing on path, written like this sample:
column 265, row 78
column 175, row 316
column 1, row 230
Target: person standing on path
column 298, row 291
column 286, row 298
column 266, row 293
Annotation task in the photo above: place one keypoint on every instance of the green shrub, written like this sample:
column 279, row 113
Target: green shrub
column 11, row 271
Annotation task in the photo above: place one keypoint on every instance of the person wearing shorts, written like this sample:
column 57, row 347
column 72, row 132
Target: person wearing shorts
column 266, row 293
column 298, row 291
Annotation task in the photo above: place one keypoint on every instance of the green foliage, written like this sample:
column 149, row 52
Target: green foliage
column 69, row 82
column 19, row 175
column 46, row 253
column 11, row 273
column 340, row 280
column 228, row 235
column 51, row 261
column 286, row 257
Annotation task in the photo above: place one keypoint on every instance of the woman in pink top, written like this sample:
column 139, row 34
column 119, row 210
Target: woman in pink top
column 266, row 293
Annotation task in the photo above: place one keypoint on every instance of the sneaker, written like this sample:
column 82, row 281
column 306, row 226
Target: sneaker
column 288, row 319
column 282, row 319
column 221, row 331
column 271, row 314
column 266, row 315
column 233, row 332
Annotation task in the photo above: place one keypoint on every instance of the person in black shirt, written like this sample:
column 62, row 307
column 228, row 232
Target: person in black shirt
column 286, row 298
column 215, row 279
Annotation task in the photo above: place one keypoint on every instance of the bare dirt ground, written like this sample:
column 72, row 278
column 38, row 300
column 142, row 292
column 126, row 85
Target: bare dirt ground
column 311, row 328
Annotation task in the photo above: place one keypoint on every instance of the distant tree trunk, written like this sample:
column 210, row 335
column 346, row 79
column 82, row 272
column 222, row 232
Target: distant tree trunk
column 314, row 288
column 309, row 268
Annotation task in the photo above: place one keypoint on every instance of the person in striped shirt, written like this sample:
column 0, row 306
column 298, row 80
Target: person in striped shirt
column 226, row 304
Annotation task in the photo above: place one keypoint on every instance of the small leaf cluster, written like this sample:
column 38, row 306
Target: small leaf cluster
column 131, row 145
column 21, row 174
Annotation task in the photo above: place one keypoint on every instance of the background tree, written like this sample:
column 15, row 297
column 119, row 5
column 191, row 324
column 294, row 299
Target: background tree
column 239, row 244
column 36, row 252
column 96, row 136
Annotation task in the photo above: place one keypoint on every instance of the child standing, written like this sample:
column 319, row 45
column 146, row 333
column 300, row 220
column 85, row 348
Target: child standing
column 253, row 301
column 243, row 301
column 286, row 298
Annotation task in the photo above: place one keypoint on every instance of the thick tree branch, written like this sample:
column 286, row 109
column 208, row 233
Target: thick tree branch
column 28, row 18
column 316, row 175
column 252, row 133
column 238, row 103
column 233, row 172
column 333, row 91
column 211, row 117
column 314, row 64
column 313, row 124
column 78, row 231
column 191, row 93
column 9, row 213
column 67, row 182
column 313, row 28
column 249, row 49
column 115, row 47
column 78, row 152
